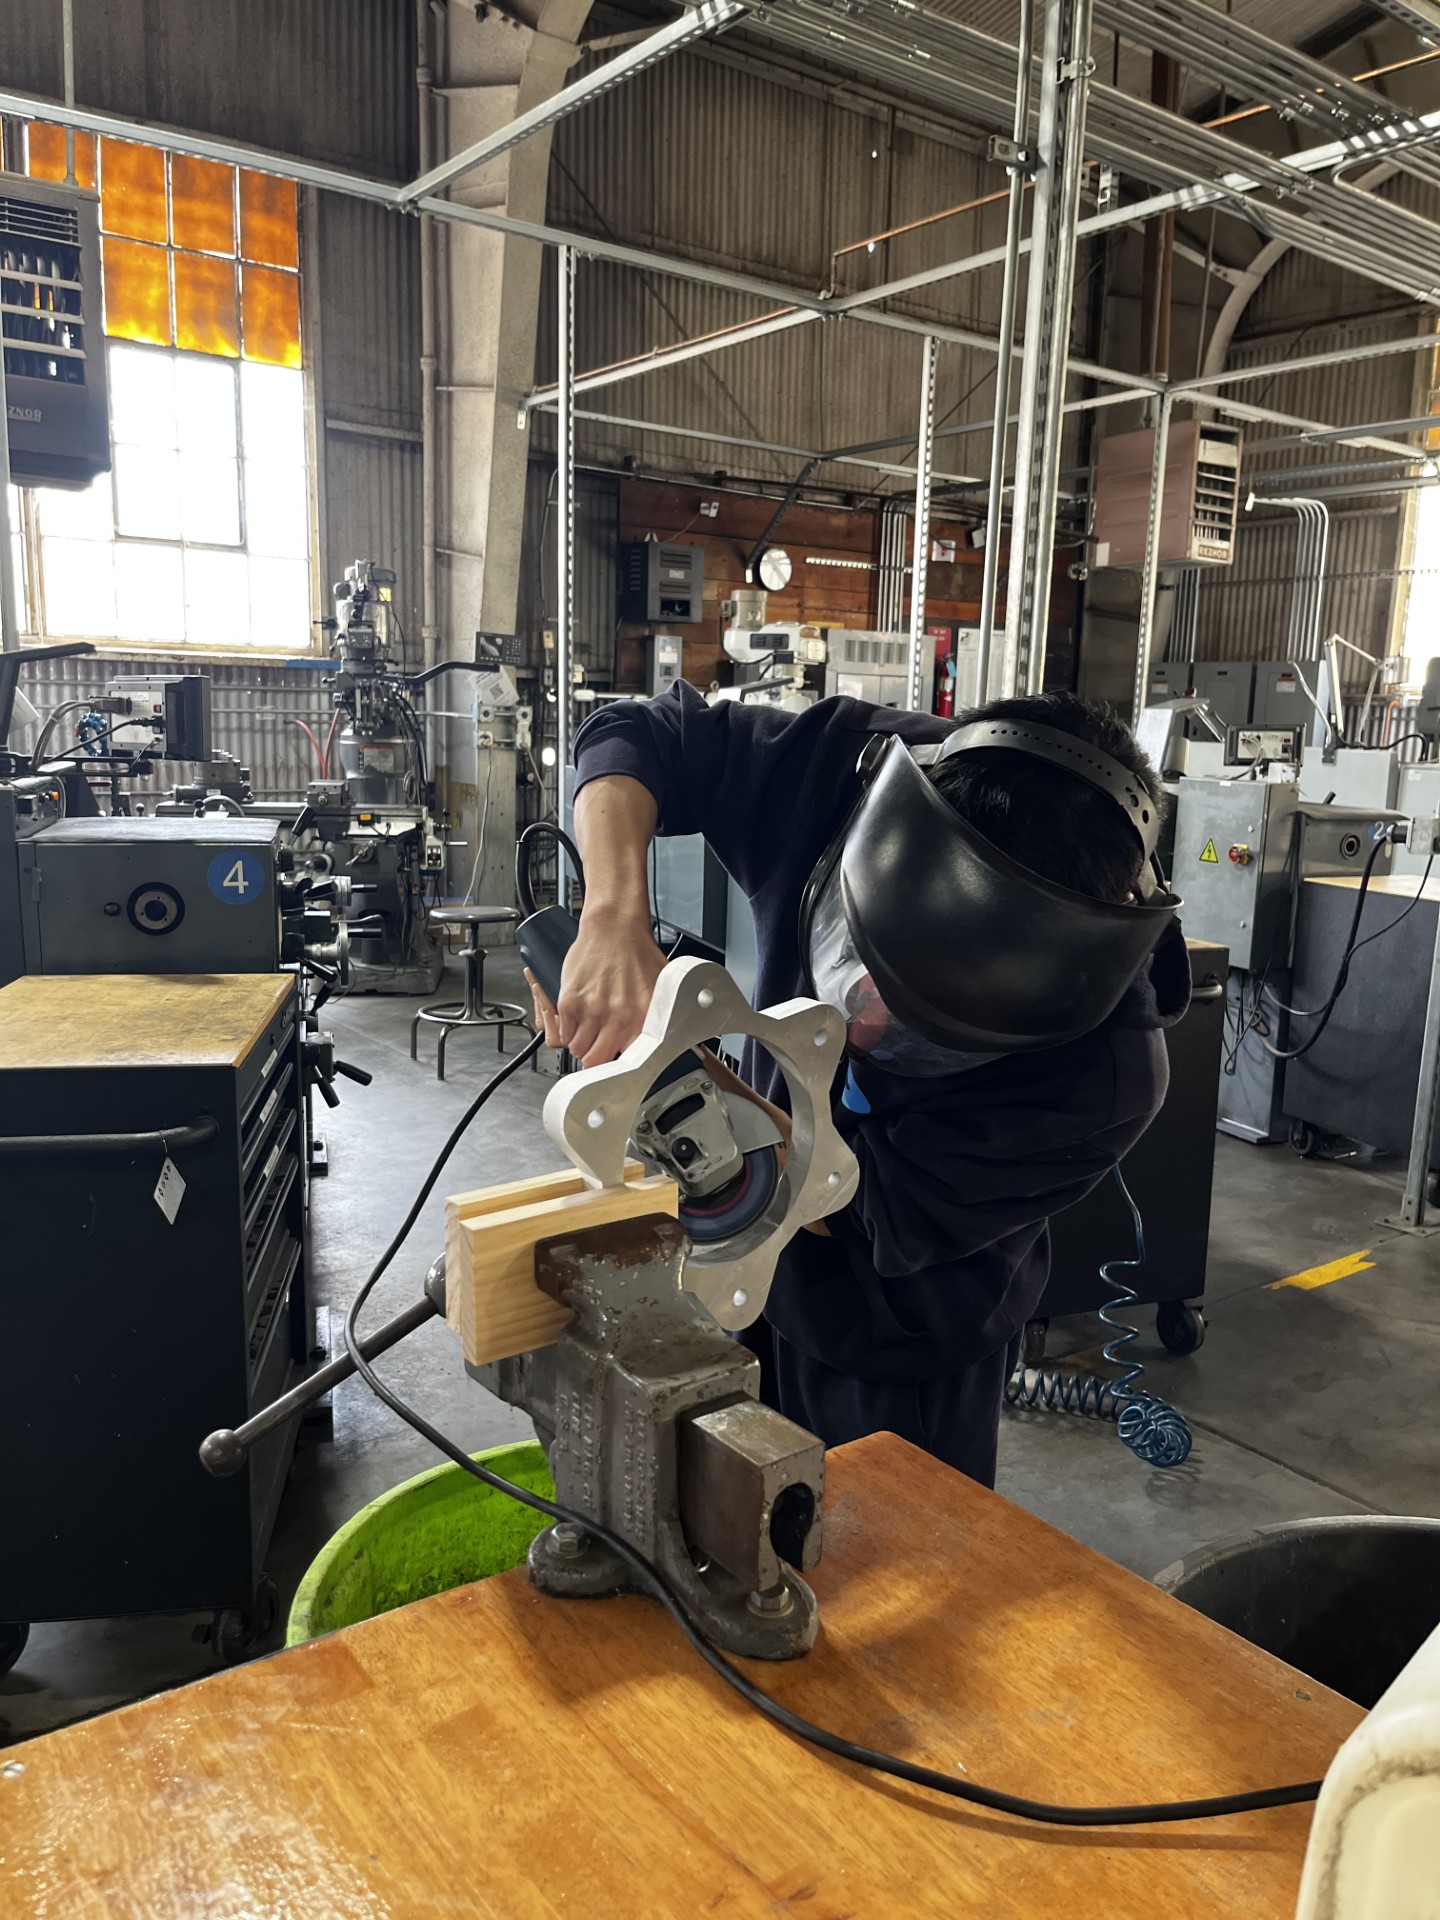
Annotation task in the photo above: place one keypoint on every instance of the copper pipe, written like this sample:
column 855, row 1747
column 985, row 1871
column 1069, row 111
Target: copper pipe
column 893, row 233
column 1370, row 73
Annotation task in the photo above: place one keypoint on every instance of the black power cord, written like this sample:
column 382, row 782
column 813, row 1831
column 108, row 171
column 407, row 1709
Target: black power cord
column 654, row 1581
column 1352, row 947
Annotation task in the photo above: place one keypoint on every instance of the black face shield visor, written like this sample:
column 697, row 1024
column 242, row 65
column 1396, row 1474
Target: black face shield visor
column 937, row 947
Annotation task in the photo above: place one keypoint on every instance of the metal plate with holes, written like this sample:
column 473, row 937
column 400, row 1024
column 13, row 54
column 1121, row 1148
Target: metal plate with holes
column 590, row 1116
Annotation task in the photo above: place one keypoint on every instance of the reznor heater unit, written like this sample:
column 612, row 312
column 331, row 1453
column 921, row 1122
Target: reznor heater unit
column 1199, row 501
column 54, row 346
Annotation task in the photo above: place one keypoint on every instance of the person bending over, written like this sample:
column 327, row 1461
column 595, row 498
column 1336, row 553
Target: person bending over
column 977, row 898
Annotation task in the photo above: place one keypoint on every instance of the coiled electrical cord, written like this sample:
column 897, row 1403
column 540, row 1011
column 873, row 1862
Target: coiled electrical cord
column 1149, row 1426
column 950, row 1785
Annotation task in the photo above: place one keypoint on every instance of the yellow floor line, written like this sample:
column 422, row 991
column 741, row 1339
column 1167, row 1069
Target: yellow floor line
column 1333, row 1270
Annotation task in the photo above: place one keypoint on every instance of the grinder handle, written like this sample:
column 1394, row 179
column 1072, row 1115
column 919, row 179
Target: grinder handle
column 544, row 940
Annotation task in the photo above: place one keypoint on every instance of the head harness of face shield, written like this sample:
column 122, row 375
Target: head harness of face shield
column 938, row 947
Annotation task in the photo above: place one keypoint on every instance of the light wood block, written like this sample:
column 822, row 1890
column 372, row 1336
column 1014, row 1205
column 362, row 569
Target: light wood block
column 499, row 1199
column 492, row 1301
column 494, row 1753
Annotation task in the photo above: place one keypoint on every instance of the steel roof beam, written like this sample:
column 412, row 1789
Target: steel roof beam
column 710, row 16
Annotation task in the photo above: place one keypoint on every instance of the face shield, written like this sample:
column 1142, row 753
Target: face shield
column 940, row 950
column 841, row 978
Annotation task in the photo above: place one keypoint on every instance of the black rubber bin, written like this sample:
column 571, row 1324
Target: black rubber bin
column 1347, row 1600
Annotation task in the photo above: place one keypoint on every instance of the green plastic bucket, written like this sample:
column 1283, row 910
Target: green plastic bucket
column 440, row 1530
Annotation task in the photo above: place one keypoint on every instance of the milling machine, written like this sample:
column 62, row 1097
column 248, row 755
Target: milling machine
column 393, row 840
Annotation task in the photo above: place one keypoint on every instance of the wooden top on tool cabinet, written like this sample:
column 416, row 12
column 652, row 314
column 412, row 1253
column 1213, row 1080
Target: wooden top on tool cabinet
column 494, row 1752
column 1392, row 886
column 136, row 1019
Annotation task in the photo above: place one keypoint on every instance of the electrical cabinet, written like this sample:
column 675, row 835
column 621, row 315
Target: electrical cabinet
column 50, row 321
column 142, row 1313
column 876, row 667
column 663, row 655
column 662, row 581
column 1234, row 842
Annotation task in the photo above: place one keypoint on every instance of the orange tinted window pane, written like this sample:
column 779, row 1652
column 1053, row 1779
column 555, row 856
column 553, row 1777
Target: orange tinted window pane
column 132, row 190
column 267, row 220
column 202, row 205
column 47, row 154
column 270, row 315
column 205, row 316
column 137, row 292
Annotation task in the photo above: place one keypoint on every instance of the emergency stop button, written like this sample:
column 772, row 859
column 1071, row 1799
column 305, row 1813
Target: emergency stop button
column 1240, row 854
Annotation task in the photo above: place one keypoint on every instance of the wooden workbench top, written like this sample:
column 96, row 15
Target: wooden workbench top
column 493, row 1752
column 136, row 1019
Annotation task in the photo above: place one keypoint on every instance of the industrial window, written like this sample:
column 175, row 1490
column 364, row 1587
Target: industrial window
column 200, row 533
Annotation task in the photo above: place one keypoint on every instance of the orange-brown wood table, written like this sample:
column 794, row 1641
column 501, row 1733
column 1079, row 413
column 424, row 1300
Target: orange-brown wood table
column 493, row 1752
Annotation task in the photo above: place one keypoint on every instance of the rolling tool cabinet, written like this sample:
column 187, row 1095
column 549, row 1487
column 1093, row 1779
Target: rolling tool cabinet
column 136, row 1314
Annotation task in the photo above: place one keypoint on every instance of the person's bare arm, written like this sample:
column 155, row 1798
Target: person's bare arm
column 610, row 971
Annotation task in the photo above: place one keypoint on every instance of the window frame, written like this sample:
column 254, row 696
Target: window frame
column 35, row 622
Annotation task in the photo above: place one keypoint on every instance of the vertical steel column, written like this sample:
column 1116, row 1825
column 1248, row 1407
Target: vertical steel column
column 564, row 534
column 67, row 42
column 1065, row 68
column 920, row 567
column 429, row 347
column 1019, row 181
column 9, row 636
column 1427, row 1092
column 1150, row 574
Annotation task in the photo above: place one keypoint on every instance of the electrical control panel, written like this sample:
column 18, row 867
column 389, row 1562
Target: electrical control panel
column 662, row 581
column 1234, row 852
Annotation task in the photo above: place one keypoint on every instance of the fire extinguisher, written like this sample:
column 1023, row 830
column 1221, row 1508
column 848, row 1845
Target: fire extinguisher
column 945, row 693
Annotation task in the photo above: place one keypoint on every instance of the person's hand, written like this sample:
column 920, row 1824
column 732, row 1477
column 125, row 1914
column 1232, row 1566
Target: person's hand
column 605, row 988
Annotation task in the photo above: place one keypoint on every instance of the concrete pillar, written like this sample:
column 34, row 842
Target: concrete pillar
column 488, row 71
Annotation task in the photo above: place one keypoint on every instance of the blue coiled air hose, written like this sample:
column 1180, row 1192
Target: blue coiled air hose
column 1149, row 1426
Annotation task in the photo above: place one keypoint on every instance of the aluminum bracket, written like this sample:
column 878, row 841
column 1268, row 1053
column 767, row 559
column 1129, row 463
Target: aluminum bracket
column 590, row 1117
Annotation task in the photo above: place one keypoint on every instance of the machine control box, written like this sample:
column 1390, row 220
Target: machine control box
column 1234, row 847
column 663, row 653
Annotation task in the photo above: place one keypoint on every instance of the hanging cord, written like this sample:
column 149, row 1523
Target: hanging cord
column 1149, row 1426
column 653, row 1581
column 525, row 849
column 1342, row 973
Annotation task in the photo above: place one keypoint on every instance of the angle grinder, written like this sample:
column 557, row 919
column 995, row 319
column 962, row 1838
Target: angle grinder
column 721, row 1150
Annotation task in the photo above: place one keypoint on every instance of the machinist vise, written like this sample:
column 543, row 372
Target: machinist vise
column 581, row 1300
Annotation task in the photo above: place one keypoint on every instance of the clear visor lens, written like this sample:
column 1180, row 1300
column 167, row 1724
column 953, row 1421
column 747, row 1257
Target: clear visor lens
column 843, row 982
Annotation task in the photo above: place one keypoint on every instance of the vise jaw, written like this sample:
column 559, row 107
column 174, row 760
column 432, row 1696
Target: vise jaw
column 651, row 1419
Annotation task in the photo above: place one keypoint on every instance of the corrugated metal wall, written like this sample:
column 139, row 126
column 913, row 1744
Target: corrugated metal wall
column 255, row 712
column 331, row 79
column 1244, row 610
column 784, row 177
column 597, row 520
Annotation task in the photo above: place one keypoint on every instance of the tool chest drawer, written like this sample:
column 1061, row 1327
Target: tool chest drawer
column 184, row 1298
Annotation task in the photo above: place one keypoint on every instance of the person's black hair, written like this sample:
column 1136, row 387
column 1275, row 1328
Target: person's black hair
column 1043, row 817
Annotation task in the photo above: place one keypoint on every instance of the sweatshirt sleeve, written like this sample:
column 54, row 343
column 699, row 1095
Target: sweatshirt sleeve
column 941, row 1187
column 715, row 770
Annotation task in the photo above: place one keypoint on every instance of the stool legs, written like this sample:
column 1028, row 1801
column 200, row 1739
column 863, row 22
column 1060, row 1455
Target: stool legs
column 472, row 1011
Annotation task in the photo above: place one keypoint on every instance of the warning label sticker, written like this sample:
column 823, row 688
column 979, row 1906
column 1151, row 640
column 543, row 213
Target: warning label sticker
column 1209, row 857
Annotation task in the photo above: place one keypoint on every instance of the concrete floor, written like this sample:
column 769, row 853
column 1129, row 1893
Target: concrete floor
column 1303, row 1402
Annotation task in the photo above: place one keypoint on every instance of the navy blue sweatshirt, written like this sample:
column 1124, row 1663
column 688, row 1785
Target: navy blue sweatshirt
column 943, row 1254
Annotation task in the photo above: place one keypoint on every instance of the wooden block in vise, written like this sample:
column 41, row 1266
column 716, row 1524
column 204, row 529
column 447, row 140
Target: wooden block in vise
column 493, row 1303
